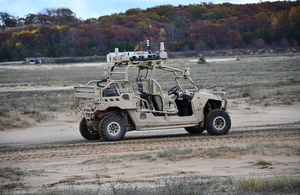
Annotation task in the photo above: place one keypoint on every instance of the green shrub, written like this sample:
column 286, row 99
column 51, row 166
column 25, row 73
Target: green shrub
column 201, row 60
column 263, row 163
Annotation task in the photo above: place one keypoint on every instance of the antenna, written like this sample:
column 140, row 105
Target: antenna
column 162, row 46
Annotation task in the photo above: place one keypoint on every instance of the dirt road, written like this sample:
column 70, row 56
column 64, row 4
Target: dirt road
column 52, row 154
column 281, row 134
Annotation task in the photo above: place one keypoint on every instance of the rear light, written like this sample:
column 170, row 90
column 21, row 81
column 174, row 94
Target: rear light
column 88, row 108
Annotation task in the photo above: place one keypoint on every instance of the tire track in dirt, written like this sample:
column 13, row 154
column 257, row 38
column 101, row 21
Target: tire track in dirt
column 274, row 134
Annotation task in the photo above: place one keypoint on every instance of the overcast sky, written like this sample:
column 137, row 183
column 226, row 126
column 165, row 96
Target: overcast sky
column 94, row 8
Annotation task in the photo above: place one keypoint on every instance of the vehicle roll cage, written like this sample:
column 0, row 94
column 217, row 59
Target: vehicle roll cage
column 145, row 60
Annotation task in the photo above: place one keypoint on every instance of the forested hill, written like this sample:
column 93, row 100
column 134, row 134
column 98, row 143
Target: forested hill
column 203, row 26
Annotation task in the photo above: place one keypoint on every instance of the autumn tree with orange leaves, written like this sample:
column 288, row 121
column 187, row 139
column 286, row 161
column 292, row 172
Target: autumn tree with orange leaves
column 203, row 26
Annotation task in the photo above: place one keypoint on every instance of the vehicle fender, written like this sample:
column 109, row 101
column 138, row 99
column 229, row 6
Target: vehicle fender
column 199, row 101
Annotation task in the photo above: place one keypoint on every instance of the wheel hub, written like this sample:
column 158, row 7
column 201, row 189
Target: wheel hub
column 113, row 128
column 219, row 123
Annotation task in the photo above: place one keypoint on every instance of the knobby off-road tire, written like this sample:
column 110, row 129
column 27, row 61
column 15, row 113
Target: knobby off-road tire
column 217, row 122
column 195, row 130
column 112, row 128
column 88, row 132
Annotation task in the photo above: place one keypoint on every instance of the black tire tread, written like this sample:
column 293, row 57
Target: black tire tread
column 195, row 130
column 209, row 119
column 84, row 131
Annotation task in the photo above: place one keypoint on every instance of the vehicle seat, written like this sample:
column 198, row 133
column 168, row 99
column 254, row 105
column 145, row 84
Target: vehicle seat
column 143, row 86
column 157, row 102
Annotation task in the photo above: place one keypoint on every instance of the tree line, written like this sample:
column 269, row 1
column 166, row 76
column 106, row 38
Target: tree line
column 202, row 26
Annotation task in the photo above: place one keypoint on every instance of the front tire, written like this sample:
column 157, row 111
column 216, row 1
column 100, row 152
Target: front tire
column 217, row 122
column 88, row 132
column 112, row 128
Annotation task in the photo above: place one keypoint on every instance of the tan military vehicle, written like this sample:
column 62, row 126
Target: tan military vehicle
column 130, row 98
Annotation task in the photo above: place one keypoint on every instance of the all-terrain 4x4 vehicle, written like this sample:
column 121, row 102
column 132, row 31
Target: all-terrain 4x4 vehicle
column 111, row 106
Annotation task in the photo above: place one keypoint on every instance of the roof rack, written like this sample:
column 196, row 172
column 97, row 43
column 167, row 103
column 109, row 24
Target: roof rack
column 137, row 57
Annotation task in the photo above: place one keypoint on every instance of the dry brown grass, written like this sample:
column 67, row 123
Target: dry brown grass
column 264, row 80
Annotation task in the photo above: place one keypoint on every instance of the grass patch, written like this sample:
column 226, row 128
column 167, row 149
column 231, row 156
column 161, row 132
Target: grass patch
column 13, row 173
column 174, row 186
column 191, row 185
column 69, row 190
column 37, row 101
column 262, row 162
column 175, row 153
column 171, row 154
column 270, row 185
column 267, row 93
column 39, row 116
column 149, row 156
column 4, row 112
column 18, row 108
column 13, row 120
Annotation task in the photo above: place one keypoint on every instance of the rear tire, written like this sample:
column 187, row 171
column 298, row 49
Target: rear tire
column 112, row 128
column 217, row 122
column 88, row 132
